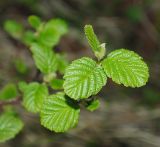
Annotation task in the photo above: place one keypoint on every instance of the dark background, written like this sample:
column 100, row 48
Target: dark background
column 127, row 117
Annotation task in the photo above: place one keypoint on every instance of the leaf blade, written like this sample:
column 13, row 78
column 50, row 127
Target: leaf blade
column 83, row 78
column 10, row 126
column 59, row 113
column 126, row 67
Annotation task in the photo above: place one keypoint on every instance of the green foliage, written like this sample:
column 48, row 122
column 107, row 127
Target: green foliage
column 98, row 49
column 9, row 91
column 33, row 96
column 62, row 63
column 92, row 38
column 59, row 113
column 28, row 38
column 44, row 58
column 126, row 67
column 57, row 83
column 13, row 28
column 93, row 105
column 83, row 78
column 51, row 32
column 34, row 21
column 21, row 66
column 10, row 126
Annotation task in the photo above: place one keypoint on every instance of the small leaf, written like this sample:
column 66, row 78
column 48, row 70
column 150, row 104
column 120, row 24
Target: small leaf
column 8, row 92
column 94, row 105
column 34, row 21
column 59, row 113
column 126, row 67
column 57, row 83
column 83, row 78
column 28, row 38
column 20, row 65
column 10, row 126
column 14, row 29
column 92, row 38
column 22, row 86
column 52, row 31
column 62, row 63
column 44, row 58
column 34, row 95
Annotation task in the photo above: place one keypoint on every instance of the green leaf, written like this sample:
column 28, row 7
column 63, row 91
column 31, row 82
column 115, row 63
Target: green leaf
column 83, row 78
column 44, row 58
column 92, row 38
column 34, row 21
column 59, row 113
column 10, row 126
column 62, row 63
column 20, row 65
column 126, row 67
column 13, row 28
column 8, row 92
column 58, row 24
column 28, row 38
column 57, row 83
column 33, row 96
column 98, row 49
column 93, row 105
column 22, row 86
column 52, row 31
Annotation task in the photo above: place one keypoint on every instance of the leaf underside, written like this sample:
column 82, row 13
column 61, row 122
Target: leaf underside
column 83, row 78
column 59, row 113
column 126, row 67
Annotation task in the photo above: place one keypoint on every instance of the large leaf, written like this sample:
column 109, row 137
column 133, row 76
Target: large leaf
column 34, row 95
column 83, row 78
column 59, row 113
column 126, row 67
column 44, row 57
column 9, row 127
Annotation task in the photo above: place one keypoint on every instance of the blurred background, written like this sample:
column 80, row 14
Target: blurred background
column 127, row 117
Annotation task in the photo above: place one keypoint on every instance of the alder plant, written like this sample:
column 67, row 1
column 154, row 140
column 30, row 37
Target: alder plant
column 64, row 87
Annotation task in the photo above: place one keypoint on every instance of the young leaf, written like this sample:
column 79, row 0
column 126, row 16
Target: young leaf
column 52, row 31
column 126, row 67
column 28, row 38
column 22, row 86
column 44, row 57
column 59, row 113
column 8, row 92
column 83, row 78
column 58, row 24
column 94, row 105
column 21, row 66
column 34, row 21
column 34, row 95
column 10, row 126
column 92, row 38
column 98, row 49
column 14, row 29
column 62, row 63
column 57, row 83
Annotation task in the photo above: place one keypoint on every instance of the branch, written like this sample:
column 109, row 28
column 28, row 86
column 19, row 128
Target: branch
column 15, row 101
